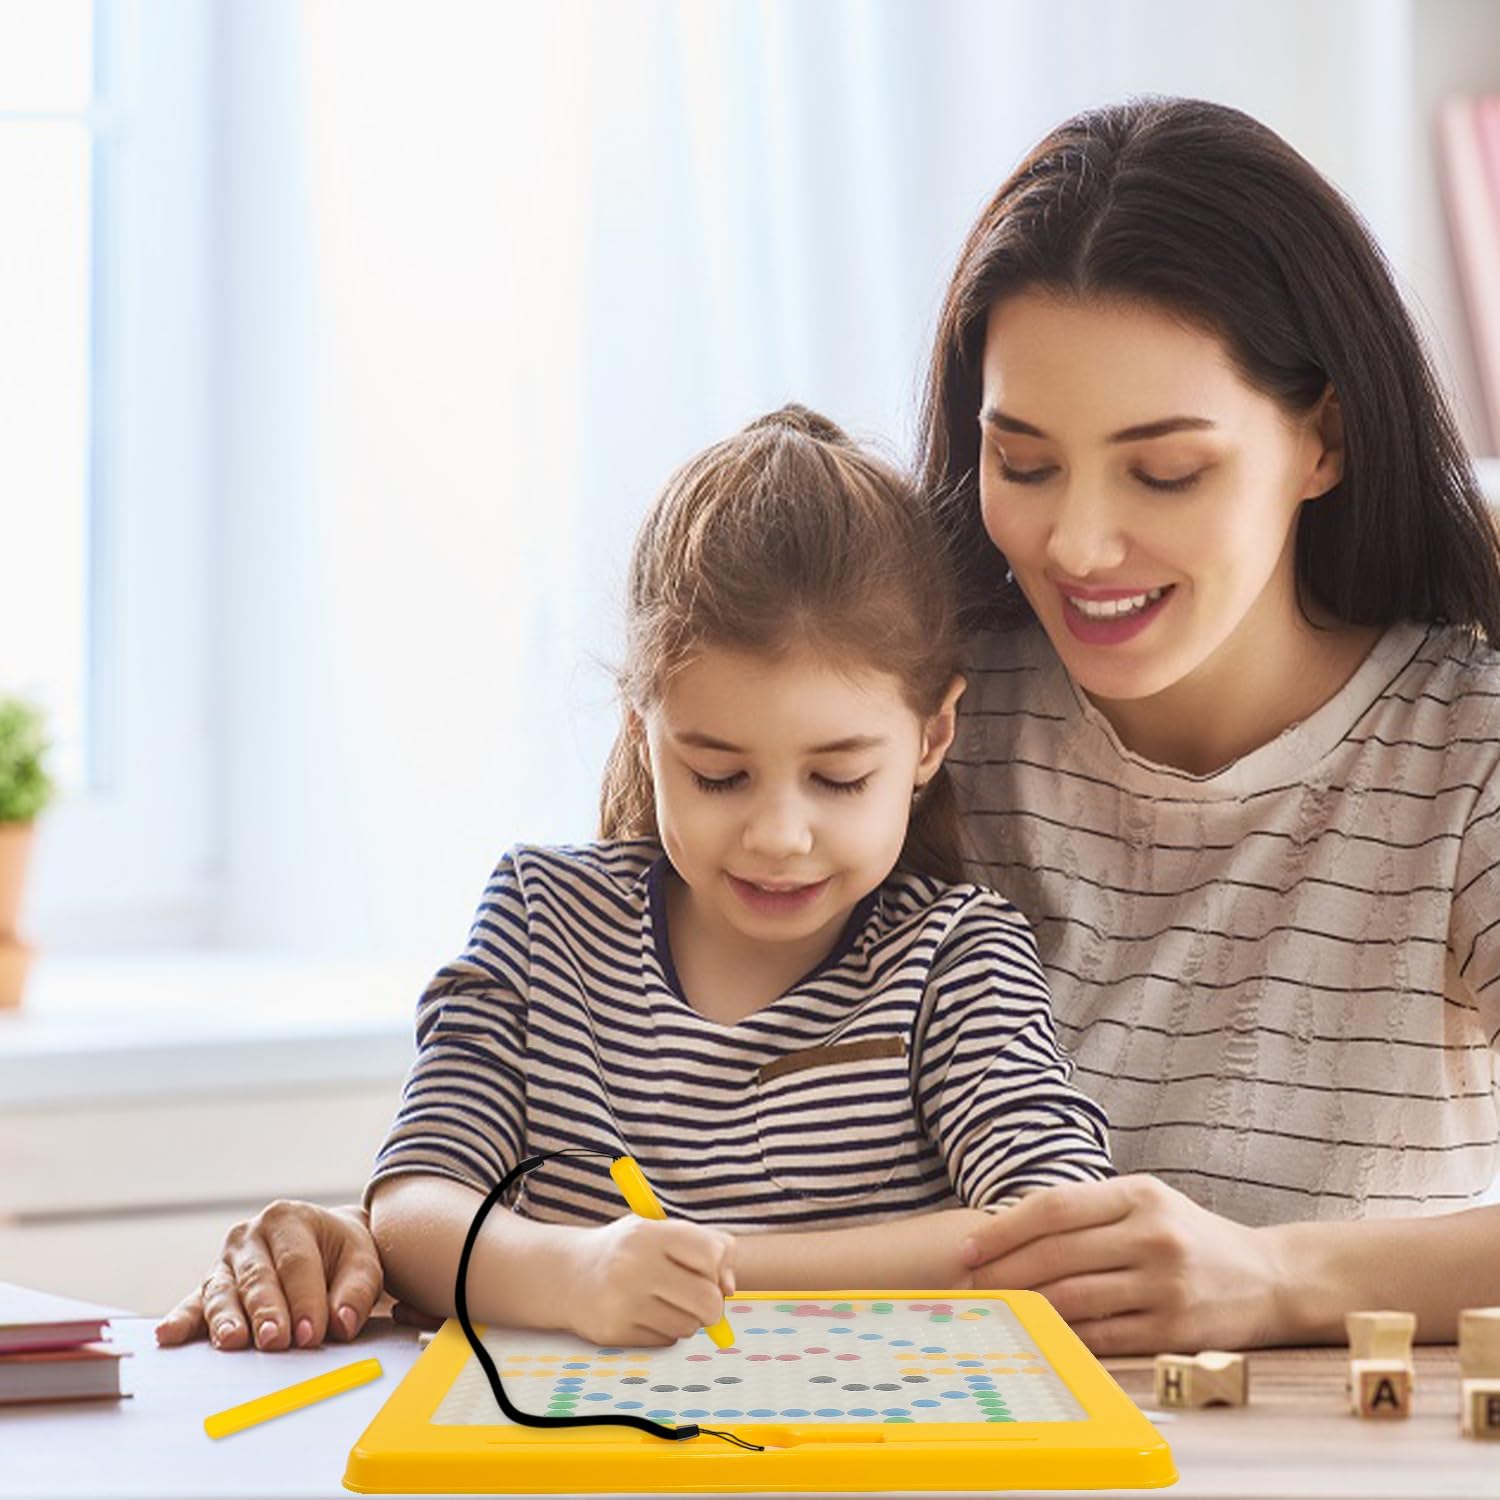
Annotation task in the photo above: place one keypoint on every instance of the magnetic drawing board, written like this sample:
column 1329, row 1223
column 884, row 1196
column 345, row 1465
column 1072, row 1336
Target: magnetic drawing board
column 846, row 1391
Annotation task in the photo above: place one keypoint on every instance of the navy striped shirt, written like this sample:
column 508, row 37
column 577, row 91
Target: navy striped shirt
column 916, row 1068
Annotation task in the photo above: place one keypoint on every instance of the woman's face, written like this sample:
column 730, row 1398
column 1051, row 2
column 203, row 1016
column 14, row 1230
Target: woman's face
column 1143, row 494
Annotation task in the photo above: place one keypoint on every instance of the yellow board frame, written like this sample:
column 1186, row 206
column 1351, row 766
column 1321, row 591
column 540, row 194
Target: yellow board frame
column 403, row 1452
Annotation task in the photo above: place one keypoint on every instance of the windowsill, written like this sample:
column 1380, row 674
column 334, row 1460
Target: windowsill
column 99, row 1027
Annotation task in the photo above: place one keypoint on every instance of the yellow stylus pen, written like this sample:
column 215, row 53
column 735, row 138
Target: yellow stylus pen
column 291, row 1398
column 636, row 1192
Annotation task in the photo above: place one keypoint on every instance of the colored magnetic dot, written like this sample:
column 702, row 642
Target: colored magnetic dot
column 823, row 1380
column 846, row 1356
column 695, row 1411
column 660, row 1414
column 815, row 1349
column 698, row 1359
column 634, row 1380
column 729, row 1411
column 726, row 1379
column 934, row 1349
column 870, row 1335
column 760, row 1411
column 784, row 1358
column 576, row 1364
column 971, row 1364
column 856, row 1387
column 1006, row 1418
column 862, row 1411
column 841, row 1330
column 755, row 1330
column 611, row 1351
column 662, row 1390
column 899, row 1419
column 914, row 1380
column 881, row 1307
column 942, row 1317
column 925, row 1402
column 894, row 1411
column 954, row 1395
column 756, row 1359
column 901, row 1343
column 786, row 1330
column 598, row 1396
column 887, row 1385
column 971, row 1314
column 631, row 1405
column 697, row 1388
column 795, row 1411
column 829, row 1411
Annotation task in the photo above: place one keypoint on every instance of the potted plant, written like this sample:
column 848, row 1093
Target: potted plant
column 25, row 789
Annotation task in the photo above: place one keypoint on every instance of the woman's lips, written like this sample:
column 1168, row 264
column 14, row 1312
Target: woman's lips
column 1114, row 629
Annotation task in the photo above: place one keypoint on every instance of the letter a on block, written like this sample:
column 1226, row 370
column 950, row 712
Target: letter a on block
column 1380, row 1387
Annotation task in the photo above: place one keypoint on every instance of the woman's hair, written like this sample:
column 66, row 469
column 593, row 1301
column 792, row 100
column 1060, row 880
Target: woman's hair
column 784, row 536
column 1203, row 211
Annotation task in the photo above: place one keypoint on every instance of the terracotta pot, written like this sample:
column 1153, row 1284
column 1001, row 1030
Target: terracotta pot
column 15, row 959
column 15, row 848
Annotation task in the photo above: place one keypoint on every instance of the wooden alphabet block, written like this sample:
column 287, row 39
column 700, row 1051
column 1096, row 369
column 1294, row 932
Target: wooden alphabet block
column 1213, row 1378
column 1380, row 1387
column 1479, row 1409
column 1479, row 1343
column 1380, row 1335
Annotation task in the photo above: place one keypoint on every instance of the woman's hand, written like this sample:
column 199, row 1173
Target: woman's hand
column 293, row 1274
column 650, row 1282
column 1135, row 1266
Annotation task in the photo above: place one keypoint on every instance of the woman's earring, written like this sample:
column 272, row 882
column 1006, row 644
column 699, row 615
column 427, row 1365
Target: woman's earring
column 1010, row 577
column 916, row 791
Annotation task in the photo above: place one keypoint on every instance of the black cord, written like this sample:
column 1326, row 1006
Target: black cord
column 531, row 1419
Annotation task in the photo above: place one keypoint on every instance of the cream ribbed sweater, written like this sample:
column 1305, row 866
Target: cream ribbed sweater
column 1282, row 980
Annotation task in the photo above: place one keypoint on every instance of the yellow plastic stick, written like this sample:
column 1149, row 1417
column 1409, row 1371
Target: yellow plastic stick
column 637, row 1193
column 291, row 1398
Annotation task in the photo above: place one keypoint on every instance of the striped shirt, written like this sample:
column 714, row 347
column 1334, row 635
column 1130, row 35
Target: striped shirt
column 915, row 1068
column 1281, row 980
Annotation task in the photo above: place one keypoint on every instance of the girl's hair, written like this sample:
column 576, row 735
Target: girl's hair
column 788, row 535
column 1203, row 211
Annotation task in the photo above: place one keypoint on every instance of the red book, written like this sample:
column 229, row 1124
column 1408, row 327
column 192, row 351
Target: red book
column 1469, row 142
column 41, row 1320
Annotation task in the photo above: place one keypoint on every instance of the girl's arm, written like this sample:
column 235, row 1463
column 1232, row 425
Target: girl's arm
column 632, row 1281
column 917, row 1252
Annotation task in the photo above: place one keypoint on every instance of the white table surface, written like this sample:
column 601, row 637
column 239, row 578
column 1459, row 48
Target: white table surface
column 1295, row 1441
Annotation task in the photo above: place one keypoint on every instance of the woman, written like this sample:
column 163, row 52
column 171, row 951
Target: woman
column 1230, row 741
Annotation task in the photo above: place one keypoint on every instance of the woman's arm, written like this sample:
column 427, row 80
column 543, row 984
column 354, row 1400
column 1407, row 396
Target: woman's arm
column 1138, row 1268
column 917, row 1252
column 1434, row 1267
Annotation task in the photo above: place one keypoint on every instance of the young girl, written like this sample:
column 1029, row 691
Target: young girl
column 1232, row 732
column 768, row 982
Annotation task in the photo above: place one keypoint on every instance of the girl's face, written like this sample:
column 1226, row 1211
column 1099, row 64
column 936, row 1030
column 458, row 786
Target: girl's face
column 1143, row 494
column 783, row 788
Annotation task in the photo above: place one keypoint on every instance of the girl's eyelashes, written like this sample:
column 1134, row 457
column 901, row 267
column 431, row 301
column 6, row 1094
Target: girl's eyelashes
column 729, row 783
column 1171, row 486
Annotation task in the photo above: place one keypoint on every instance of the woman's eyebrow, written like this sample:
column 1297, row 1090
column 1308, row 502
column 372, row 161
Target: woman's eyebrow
column 992, row 416
column 703, row 741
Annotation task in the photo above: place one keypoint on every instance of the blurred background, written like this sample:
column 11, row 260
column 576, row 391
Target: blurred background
column 343, row 346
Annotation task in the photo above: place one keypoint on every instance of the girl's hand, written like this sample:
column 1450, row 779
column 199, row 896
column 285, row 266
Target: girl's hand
column 1135, row 1266
column 293, row 1274
column 650, row 1282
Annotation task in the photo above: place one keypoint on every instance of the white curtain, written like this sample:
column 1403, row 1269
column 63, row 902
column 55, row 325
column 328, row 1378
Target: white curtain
column 490, row 271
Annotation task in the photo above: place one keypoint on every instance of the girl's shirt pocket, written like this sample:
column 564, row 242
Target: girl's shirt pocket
column 835, row 1122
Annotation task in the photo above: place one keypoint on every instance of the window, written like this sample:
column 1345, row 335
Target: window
column 48, row 123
